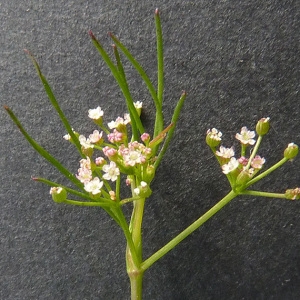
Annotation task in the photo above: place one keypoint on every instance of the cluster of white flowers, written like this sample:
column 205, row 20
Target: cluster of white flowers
column 119, row 154
column 228, row 162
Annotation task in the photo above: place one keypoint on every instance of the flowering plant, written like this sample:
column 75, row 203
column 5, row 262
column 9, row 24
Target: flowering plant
column 122, row 150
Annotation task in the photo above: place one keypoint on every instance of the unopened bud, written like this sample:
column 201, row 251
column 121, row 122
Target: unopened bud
column 263, row 126
column 243, row 177
column 291, row 151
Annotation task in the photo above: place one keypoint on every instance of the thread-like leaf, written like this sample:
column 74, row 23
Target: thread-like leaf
column 55, row 103
column 44, row 153
column 171, row 131
column 132, row 110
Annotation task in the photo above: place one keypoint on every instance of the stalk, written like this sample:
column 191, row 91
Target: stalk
column 185, row 233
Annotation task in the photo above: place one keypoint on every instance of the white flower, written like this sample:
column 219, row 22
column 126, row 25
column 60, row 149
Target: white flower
column 94, row 186
column 138, row 104
column 231, row 166
column 119, row 122
column 84, row 175
column 96, row 113
column 225, row 152
column 111, row 171
column 133, row 157
column 214, row 134
column 55, row 190
column 95, row 137
column 246, row 136
column 84, row 142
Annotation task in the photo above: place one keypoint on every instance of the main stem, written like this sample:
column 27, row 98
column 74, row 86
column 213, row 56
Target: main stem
column 134, row 270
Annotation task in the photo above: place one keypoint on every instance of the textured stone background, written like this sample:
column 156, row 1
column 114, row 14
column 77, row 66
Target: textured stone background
column 238, row 61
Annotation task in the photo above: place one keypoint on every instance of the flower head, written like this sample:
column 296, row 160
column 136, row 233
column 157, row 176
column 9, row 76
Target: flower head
column 96, row 113
column 246, row 136
column 225, row 152
column 213, row 137
column 257, row 162
column 231, row 166
column 85, row 143
column 119, row 123
column 95, row 137
column 111, row 171
column 94, row 186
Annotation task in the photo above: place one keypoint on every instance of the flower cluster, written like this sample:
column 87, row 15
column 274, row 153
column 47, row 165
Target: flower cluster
column 240, row 170
column 135, row 159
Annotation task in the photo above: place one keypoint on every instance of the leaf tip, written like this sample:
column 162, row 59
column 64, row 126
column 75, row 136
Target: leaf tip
column 91, row 34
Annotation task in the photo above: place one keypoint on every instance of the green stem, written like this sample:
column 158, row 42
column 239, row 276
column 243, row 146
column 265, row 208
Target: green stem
column 254, row 151
column 185, row 233
column 267, row 172
column 263, row 194
column 134, row 265
column 136, row 285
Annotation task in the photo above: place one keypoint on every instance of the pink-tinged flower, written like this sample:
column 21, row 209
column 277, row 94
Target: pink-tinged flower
column 85, row 143
column 84, row 175
column 111, row 171
column 145, row 137
column 257, row 162
column 134, row 157
column 96, row 113
column 225, row 152
column 115, row 136
column 94, row 186
column 119, row 122
column 243, row 160
column 100, row 161
column 246, row 136
column 85, row 163
column 231, row 166
column 109, row 152
column 95, row 137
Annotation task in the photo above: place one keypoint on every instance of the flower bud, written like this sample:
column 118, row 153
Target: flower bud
column 149, row 174
column 291, row 151
column 243, row 177
column 138, row 106
column 292, row 194
column 143, row 190
column 213, row 137
column 59, row 194
column 263, row 126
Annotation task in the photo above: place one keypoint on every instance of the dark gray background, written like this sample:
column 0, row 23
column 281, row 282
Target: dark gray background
column 238, row 61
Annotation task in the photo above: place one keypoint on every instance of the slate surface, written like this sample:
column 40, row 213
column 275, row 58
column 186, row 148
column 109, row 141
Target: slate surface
column 238, row 61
